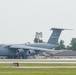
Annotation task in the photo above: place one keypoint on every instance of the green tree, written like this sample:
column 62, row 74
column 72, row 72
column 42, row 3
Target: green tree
column 61, row 45
column 68, row 47
column 73, row 44
column 36, row 40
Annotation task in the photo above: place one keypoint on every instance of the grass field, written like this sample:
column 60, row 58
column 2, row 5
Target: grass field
column 10, row 71
column 34, row 64
column 48, row 71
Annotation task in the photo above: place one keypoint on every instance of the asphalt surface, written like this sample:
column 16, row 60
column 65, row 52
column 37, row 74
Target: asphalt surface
column 38, row 60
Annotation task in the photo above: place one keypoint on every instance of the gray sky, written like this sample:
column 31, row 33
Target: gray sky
column 20, row 19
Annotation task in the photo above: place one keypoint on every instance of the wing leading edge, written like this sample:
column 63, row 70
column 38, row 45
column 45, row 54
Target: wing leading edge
column 30, row 48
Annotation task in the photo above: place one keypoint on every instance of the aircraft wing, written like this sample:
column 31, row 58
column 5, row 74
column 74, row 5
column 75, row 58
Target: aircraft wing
column 30, row 48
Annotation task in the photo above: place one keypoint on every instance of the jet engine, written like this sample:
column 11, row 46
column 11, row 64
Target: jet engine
column 30, row 52
column 20, row 51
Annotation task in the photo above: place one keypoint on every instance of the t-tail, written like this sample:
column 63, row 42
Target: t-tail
column 55, row 36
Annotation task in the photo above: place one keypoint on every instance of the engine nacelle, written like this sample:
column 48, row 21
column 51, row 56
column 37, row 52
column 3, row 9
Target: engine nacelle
column 31, row 52
column 20, row 51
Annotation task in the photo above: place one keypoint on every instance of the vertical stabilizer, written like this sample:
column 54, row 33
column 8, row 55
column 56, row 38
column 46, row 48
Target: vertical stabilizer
column 55, row 36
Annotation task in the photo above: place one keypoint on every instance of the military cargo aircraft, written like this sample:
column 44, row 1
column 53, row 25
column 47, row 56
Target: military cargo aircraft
column 24, row 50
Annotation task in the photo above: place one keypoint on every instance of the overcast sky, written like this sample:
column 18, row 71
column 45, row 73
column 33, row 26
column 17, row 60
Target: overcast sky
column 20, row 19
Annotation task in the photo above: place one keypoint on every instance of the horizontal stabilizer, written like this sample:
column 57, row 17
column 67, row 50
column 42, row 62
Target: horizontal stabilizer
column 59, row 29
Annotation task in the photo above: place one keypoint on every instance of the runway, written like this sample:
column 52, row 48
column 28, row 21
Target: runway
column 37, row 60
column 44, row 61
